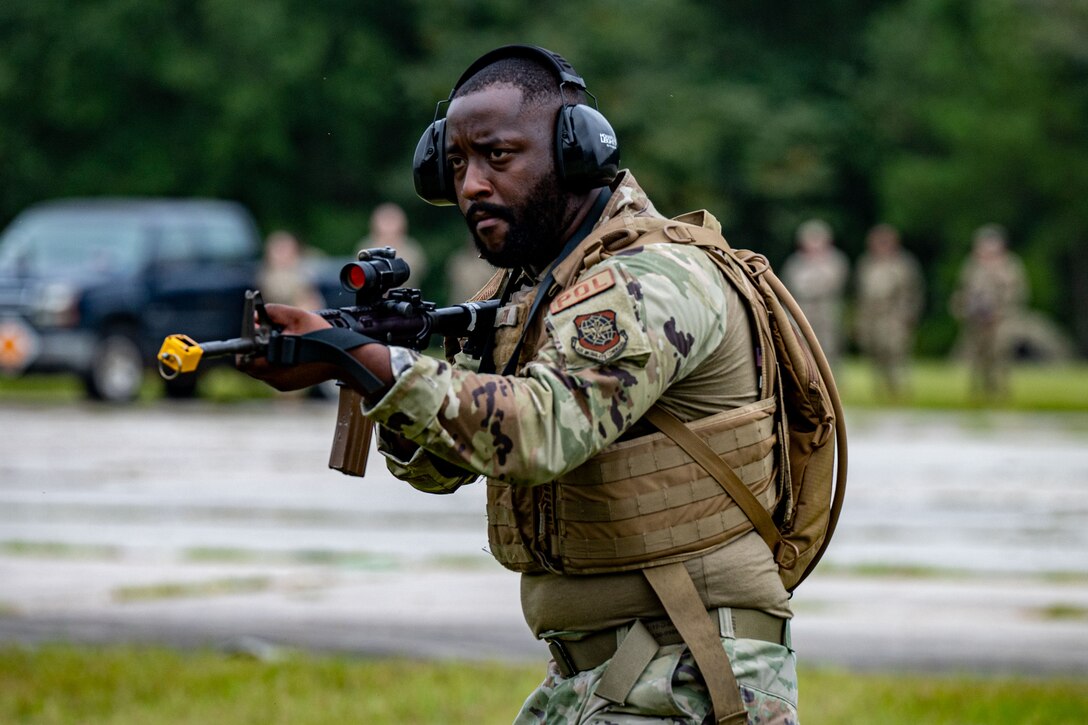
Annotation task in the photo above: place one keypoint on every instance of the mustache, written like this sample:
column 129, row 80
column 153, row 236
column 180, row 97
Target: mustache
column 485, row 207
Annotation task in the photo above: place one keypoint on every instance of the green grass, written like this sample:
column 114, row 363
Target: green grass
column 944, row 385
column 177, row 590
column 122, row 686
column 60, row 684
column 219, row 384
column 1063, row 611
column 936, row 385
column 889, row 699
column 315, row 557
column 45, row 388
column 58, row 550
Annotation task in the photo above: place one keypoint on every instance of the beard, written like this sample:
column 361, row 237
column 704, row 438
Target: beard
column 534, row 229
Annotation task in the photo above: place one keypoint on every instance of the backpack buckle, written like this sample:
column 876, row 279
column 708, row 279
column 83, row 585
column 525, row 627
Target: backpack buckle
column 786, row 554
column 677, row 233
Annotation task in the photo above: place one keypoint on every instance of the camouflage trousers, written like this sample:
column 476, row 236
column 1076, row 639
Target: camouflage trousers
column 671, row 690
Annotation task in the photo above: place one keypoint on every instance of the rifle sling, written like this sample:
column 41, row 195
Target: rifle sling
column 331, row 345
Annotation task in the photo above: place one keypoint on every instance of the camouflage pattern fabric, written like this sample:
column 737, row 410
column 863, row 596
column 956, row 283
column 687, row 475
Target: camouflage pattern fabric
column 889, row 302
column 988, row 295
column 672, row 691
column 818, row 283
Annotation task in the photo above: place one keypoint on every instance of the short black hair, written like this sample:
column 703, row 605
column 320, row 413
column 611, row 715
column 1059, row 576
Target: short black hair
column 538, row 82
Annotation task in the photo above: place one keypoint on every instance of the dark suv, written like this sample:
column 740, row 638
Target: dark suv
column 93, row 286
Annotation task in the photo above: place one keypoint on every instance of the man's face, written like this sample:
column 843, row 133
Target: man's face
column 504, row 174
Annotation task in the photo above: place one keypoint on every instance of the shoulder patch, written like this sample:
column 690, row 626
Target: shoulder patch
column 598, row 337
column 583, row 290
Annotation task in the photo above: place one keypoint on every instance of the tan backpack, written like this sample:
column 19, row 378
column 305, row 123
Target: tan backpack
column 811, row 439
column 812, row 433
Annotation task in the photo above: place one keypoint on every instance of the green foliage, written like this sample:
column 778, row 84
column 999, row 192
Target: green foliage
column 936, row 115
column 981, row 109
column 282, row 105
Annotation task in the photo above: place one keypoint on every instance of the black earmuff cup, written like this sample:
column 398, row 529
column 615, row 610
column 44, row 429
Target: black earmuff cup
column 429, row 170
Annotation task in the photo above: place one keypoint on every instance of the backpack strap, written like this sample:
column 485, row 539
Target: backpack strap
column 701, row 229
column 673, row 585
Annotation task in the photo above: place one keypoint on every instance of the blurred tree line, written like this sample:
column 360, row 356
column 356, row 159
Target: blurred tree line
column 934, row 115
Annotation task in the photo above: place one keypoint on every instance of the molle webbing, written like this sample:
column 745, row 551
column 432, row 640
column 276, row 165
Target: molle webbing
column 639, row 501
column 509, row 543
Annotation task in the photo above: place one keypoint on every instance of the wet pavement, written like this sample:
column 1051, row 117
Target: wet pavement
column 963, row 544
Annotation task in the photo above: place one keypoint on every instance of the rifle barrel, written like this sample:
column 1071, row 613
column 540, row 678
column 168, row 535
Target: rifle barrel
column 234, row 346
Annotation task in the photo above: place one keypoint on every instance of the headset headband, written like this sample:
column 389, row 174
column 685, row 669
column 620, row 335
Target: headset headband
column 558, row 63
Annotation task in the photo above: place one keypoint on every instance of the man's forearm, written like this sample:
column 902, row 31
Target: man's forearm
column 375, row 358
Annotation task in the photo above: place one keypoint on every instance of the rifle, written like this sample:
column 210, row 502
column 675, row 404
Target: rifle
column 383, row 311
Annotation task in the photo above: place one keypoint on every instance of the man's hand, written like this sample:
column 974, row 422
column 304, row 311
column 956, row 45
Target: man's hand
column 296, row 321
column 292, row 321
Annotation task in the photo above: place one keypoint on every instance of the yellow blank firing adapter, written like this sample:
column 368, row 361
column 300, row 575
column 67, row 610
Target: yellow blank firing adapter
column 178, row 354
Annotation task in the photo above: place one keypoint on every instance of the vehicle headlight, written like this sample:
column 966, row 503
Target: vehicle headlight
column 57, row 305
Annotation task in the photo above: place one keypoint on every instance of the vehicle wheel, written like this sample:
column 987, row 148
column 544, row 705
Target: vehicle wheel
column 118, row 369
column 183, row 387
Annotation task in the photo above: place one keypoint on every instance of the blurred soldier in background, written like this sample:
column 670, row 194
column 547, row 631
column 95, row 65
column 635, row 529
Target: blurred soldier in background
column 282, row 278
column 389, row 228
column 466, row 273
column 992, row 289
column 817, row 275
column 890, row 296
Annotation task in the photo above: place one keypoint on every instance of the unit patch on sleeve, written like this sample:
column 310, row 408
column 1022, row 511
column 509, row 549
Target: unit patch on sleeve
column 586, row 288
column 598, row 338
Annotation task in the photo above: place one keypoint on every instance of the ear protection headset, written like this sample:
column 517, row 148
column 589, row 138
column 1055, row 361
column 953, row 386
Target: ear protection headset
column 586, row 153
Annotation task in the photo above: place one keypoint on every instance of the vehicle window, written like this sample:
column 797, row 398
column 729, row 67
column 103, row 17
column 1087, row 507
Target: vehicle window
column 57, row 246
column 227, row 240
column 177, row 244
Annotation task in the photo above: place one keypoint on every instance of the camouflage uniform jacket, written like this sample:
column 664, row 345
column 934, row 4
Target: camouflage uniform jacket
column 890, row 296
column 990, row 292
column 647, row 329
